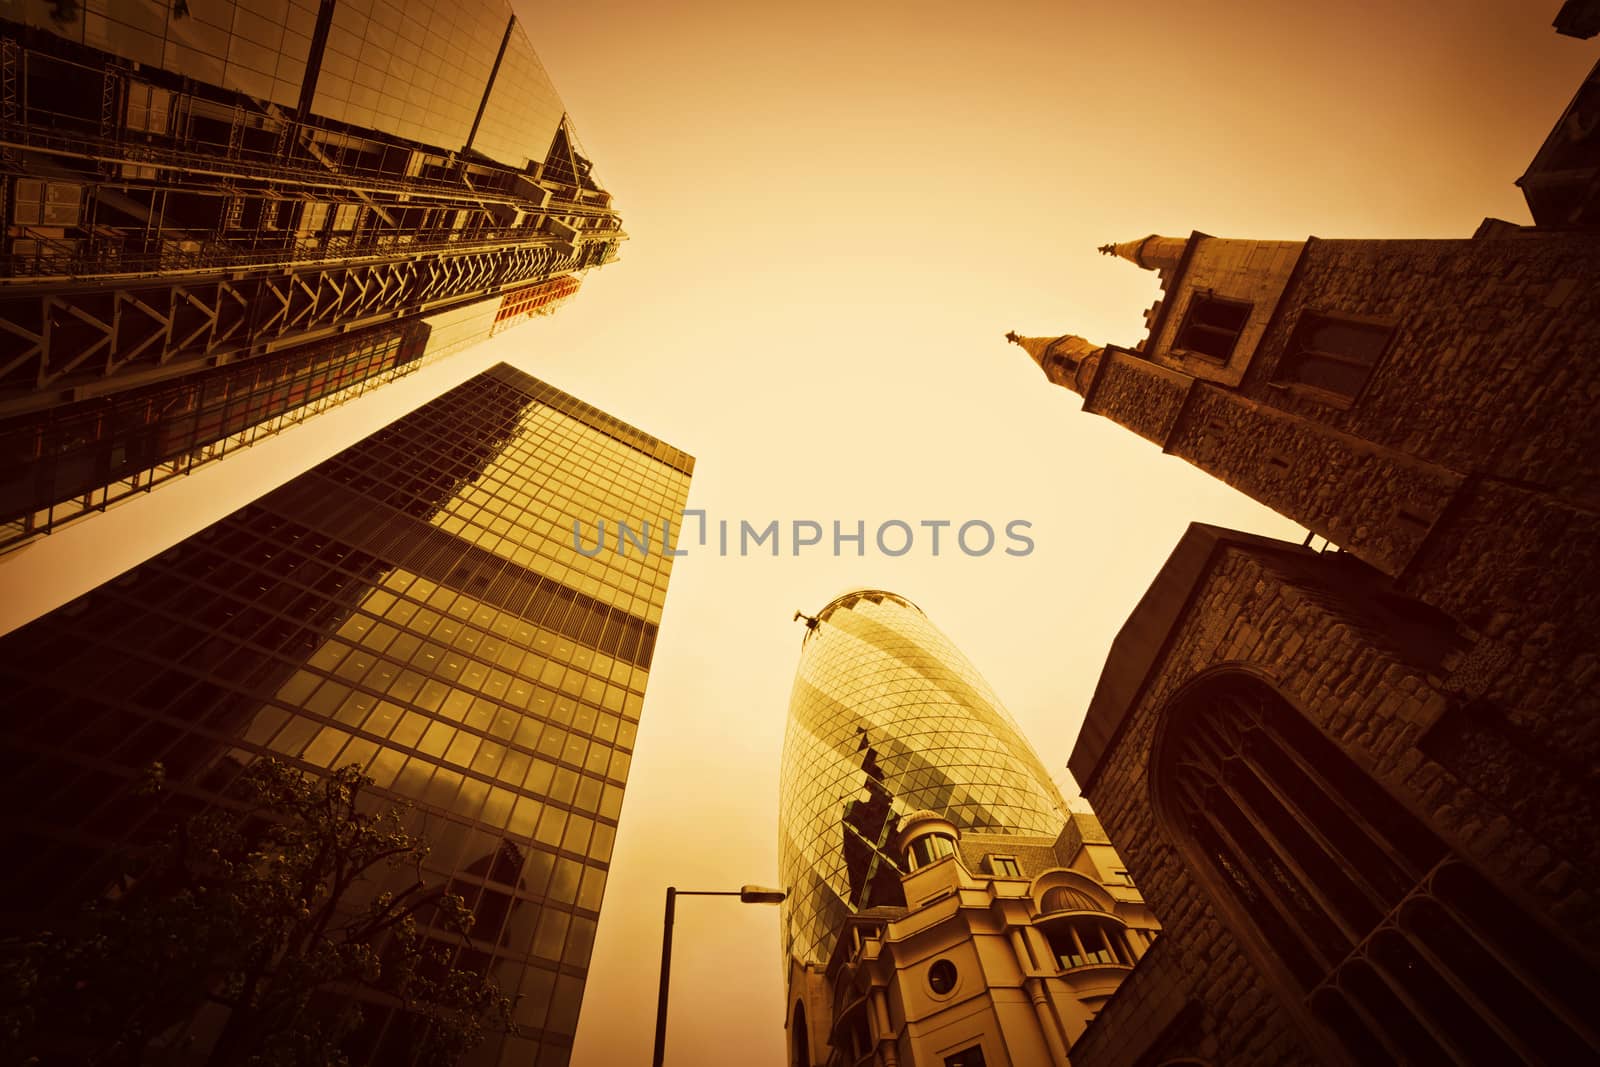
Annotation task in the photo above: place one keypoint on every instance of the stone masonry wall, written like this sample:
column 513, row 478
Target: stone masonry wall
column 1146, row 1019
column 1367, row 499
column 1287, row 618
column 1493, row 365
column 1251, row 271
column 1517, row 568
column 1138, row 394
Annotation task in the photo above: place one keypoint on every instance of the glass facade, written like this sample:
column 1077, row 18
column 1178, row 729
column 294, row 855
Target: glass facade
column 61, row 463
column 191, row 188
column 428, row 71
column 64, row 463
column 888, row 717
column 418, row 70
column 414, row 605
column 522, row 110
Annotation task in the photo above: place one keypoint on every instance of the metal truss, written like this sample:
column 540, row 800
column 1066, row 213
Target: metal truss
column 10, row 61
column 71, row 335
column 233, row 228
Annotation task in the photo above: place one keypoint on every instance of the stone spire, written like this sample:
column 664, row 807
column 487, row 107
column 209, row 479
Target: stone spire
column 1034, row 346
column 1151, row 253
column 1067, row 360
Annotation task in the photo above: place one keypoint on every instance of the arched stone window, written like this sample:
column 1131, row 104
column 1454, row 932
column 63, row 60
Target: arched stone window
column 1393, row 941
column 1078, row 940
column 929, row 848
column 799, row 1037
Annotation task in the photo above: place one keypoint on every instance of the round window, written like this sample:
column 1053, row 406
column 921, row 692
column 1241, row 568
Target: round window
column 942, row 976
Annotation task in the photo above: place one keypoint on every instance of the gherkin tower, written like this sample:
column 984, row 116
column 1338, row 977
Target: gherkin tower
column 888, row 717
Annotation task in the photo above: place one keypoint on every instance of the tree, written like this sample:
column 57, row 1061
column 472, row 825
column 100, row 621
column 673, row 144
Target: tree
column 265, row 917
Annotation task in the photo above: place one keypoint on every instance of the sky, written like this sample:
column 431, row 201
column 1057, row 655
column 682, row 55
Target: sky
column 836, row 212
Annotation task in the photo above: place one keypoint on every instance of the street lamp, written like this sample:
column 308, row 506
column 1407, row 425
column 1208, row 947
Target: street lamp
column 750, row 894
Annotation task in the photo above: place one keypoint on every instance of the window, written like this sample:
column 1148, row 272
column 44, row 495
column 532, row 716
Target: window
column 345, row 217
column 147, row 107
column 1211, row 326
column 46, row 203
column 942, row 977
column 1004, row 867
column 929, row 848
column 1084, row 941
column 967, row 1057
column 1402, row 949
column 1332, row 356
column 313, row 217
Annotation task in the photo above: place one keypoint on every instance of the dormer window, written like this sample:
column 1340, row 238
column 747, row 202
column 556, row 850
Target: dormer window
column 1004, row 867
column 929, row 848
column 925, row 837
column 1211, row 326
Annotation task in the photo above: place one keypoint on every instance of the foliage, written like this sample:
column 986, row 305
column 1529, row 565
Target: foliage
column 272, row 914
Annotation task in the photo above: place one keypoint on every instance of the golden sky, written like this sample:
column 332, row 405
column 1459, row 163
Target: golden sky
column 837, row 210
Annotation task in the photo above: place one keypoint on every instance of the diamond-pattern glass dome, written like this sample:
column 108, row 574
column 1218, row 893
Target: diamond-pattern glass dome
column 880, row 693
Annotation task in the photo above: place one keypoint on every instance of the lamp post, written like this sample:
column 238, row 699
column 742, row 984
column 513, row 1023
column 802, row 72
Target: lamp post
column 750, row 894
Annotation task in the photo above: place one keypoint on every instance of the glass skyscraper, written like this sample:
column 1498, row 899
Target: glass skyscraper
column 414, row 605
column 223, row 216
column 888, row 717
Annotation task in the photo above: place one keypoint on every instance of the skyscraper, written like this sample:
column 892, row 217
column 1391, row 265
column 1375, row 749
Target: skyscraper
column 944, row 907
column 415, row 605
column 224, row 215
column 888, row 717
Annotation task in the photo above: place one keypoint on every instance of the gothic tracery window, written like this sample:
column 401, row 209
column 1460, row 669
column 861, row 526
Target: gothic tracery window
column 1393, row 941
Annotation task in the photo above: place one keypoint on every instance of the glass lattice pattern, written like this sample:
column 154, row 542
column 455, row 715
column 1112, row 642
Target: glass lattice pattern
column 413, row 605
column 418, row 70
column 875, row 664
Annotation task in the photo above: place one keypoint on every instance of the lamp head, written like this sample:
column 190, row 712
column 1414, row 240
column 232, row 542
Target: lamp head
column 760, row 894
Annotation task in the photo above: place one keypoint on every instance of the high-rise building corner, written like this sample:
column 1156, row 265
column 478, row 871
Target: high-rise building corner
column 417, row 606
column 222, row 217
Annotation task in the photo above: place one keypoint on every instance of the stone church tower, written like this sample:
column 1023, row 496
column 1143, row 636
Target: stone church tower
column 1357, row 787
column 1375, row 391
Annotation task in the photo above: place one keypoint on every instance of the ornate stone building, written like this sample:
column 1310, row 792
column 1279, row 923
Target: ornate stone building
column 1005, row 949
column 1357, row 785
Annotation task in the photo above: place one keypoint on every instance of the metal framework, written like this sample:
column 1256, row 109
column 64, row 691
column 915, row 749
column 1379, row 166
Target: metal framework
column 158, row 225
column 163, row 234
column 99, row 332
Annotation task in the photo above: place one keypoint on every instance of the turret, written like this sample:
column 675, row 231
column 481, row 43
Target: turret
column 1067, row 360
column 1151, row 253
